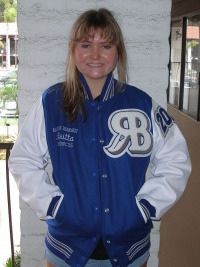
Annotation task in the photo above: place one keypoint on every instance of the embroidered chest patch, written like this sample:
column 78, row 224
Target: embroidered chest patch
column 65, row 136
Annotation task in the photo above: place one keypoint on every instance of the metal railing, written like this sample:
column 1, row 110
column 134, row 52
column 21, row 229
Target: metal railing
column 8, row 147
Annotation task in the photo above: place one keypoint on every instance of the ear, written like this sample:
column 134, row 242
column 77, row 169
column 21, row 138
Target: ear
column 69, row 44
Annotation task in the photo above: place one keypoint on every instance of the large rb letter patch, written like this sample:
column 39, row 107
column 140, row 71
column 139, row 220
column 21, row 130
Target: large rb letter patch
column 131, row 134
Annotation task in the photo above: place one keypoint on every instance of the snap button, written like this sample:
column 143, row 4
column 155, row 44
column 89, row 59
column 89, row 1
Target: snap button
column 101, row 141
column 108, row 241
column 93, row 104
column 106, row 210
column 104, row 176
column 92, row 139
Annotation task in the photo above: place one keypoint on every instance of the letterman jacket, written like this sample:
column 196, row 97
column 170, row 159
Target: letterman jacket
column 98, row 186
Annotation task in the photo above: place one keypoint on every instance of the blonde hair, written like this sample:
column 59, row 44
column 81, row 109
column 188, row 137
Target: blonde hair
column 90, row 20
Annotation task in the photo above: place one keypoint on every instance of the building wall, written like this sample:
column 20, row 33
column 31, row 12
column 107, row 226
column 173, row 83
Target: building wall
column 44, row 28
column 9, row 37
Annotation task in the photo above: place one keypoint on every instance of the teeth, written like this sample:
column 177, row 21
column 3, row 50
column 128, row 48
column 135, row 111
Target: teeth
column 95, row 65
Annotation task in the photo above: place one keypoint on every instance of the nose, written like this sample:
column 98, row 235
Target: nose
column 96, row 53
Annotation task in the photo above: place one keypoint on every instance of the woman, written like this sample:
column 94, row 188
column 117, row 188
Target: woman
column 100, row 134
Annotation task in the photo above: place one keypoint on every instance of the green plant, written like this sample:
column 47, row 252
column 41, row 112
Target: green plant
column 8, row 263
column 191, row 43
column 17, row 260
column 2, row 155
column 8, row 10
column 1, row 44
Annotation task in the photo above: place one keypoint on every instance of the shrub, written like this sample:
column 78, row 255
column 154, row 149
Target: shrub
column 17, row 260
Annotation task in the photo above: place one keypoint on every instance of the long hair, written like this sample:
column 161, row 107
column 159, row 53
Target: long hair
column 72, row 89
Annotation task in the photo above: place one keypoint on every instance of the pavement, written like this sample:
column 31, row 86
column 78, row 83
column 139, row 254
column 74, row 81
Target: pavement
column 5, row 249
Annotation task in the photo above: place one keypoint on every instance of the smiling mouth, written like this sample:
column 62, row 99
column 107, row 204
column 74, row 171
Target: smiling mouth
column 95, row 65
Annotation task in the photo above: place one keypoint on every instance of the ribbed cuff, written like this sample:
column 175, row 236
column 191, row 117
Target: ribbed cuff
column 148, row 209
column 53, row 205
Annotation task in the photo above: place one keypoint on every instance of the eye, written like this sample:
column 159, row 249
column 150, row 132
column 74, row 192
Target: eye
column 85, row 46
column 107, row 46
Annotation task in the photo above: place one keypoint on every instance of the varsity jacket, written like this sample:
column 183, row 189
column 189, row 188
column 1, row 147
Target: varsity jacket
column 98, row 186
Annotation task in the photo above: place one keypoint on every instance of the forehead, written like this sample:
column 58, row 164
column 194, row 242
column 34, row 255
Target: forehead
column 95, row 35
column 96, row 38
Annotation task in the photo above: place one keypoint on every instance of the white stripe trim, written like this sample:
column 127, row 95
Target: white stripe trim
column 59, row 245
column 142, row 211
column 110, row 90
column 138, row 249
column 144, row 240
column 145, row 210
column 58, row 248
column 85, row 92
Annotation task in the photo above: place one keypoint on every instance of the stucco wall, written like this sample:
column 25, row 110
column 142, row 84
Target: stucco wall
column 43, row 29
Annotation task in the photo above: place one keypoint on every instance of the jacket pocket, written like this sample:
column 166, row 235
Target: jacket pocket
column 143, row 211
column 59, row 213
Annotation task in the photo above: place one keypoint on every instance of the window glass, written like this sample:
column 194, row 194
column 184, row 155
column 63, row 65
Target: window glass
column 175, row 66
column 192, row 66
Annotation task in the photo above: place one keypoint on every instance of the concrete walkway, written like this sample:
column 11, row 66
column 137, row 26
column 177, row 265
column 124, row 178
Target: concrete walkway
column 180, row 227
column 5, row 250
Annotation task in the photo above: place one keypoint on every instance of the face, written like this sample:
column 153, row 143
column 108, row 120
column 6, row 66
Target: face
column 95, row 58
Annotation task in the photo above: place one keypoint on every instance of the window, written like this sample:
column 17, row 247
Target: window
column 192, row 66
column 175, row 62
column 185, row 65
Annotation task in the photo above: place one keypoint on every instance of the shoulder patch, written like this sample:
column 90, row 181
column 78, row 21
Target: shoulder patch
column 163, row 120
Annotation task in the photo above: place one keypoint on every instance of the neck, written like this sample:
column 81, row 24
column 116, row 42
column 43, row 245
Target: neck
column 95, row 86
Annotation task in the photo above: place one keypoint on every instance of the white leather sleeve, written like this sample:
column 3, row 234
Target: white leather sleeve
column 27, row 163
column 170, row 166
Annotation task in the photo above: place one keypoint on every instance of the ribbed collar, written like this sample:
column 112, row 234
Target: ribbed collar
column 108, row 90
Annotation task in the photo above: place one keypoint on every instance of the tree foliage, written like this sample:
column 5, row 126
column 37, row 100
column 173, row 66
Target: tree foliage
column 2, row 7
column 1, row 44
column 8, row 10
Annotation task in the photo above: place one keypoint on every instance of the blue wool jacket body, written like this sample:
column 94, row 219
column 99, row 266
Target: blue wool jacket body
column 99, row 190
